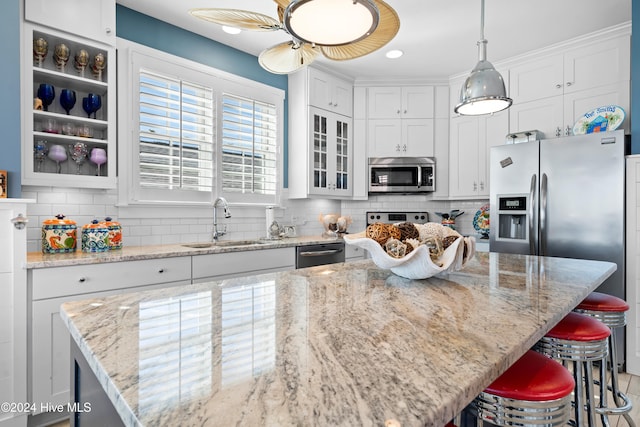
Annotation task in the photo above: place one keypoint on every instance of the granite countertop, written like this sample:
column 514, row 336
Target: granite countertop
column 344, row 344
column 132, row 253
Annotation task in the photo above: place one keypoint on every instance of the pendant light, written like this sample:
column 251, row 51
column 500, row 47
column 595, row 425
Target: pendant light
column 331, row 22
column 483, row 92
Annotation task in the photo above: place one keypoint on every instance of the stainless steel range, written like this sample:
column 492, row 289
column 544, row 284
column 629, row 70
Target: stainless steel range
column 393, row 217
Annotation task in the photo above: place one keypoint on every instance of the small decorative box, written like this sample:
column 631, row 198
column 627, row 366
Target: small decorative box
column 95, row 237
column 58, row 235
column 3, row 184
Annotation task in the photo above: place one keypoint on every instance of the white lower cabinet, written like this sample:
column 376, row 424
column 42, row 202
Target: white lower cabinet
column 232, row 264
column 353, row 253
column 13, row 316
column 50, row 287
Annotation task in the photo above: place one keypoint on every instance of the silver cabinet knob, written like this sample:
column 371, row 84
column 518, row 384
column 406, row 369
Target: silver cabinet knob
column 558, row 86
column 82, row 279
column 161, row 271
column 569, row 84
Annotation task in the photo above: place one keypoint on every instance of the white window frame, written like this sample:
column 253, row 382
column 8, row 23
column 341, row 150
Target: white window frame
column 132, row 56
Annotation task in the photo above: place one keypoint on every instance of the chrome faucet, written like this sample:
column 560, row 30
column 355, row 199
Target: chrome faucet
column 218, row 233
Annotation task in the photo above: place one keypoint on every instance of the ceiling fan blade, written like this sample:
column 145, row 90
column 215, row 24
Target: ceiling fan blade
column 287, row 57
column 387, row 29
column 282, row 3
column 243, row 19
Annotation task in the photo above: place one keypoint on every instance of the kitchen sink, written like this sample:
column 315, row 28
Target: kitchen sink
column 225, row 243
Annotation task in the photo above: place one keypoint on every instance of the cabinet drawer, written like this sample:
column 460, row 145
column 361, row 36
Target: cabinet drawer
column 81, row 279
column 352, row 252
column 212, row 265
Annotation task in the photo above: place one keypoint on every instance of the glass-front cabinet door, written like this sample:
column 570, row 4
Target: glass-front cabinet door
column 331, row 145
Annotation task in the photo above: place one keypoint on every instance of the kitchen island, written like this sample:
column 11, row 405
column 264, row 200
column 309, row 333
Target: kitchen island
column 344, row 344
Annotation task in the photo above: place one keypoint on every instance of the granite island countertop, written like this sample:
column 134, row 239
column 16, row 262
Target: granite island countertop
column 133, row 253
column 345, row 344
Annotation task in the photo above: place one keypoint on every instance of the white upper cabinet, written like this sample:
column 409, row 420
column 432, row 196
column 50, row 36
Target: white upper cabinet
column 592, row 65
column 400, row 121
column 330, row 93
column 406, row 102
column 320, row 137
column 555, row 116
column 471, row 140
column 94, row 19
column 401, row 138
column 550, row 92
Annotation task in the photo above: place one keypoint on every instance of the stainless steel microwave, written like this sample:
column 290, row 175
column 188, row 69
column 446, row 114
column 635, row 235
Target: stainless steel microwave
column 402, row 174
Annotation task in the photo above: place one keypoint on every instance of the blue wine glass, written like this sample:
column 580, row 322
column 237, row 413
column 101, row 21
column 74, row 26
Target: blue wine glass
column 96, row 102
column 87, row 106
column 46, row 93
column 67, row 99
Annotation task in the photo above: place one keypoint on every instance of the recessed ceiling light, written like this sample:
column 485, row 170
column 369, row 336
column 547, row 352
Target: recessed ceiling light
column 231, row 30
column 393, row 54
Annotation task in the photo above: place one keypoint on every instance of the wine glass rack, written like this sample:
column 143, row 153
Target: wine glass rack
column 55, row 126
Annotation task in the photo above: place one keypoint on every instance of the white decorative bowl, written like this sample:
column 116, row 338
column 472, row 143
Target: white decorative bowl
column 417, row 264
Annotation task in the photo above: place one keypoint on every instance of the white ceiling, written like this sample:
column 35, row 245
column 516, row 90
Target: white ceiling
column 438, row 37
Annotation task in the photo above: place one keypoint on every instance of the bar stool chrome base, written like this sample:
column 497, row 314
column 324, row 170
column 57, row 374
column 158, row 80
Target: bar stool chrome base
column 578, row 340
column 614, row 320
column 512, row 412
column 534, row 392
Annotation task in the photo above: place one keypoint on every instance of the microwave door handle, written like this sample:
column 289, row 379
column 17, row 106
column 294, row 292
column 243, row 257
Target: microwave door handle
column 419, row 176
column 532, row 203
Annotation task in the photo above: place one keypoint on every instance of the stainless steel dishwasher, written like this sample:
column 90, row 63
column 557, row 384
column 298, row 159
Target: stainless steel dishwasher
column 319, row 254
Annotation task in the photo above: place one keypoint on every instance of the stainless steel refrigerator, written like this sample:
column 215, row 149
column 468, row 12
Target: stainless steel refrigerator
column 562, row 197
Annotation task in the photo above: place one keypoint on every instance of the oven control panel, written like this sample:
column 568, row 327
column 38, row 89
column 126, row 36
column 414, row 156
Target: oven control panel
column 394, row 217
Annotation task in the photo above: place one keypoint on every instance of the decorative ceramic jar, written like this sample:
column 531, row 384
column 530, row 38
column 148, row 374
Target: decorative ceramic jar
column 95, row 237
column 58, row 235
column 115, row 233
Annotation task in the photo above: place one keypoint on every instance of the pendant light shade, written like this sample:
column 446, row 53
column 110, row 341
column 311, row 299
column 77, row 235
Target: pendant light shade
column 483, row 92
column 331, row 22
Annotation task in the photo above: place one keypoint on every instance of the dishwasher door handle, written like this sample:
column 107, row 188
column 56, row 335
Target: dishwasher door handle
column 320, row 253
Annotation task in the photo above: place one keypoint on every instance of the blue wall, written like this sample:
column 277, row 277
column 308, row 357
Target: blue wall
column 10, row 100
column 148, row 31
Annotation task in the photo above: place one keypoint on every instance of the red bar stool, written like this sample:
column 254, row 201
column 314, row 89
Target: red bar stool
column 534, row 391
column 579, row 340
column 612, row 311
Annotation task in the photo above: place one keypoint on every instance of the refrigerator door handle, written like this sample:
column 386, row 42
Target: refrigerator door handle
column 543, row 215
column 532, row 204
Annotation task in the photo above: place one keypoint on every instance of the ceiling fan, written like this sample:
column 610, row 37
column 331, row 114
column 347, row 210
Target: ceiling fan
column 339, row 29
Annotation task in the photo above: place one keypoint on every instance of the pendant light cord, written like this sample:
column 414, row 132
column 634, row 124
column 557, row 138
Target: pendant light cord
column 482, row 43
column 481, row 20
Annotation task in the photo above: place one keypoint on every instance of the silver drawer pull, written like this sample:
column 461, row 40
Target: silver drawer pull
column 82, row 279
column 320, row 253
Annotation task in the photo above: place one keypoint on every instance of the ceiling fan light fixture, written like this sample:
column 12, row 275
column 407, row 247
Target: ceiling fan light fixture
column 331, row 22
column 483, row 92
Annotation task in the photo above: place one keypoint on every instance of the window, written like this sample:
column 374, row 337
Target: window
column 176, row 133
column 195, row 132
column 249, row 150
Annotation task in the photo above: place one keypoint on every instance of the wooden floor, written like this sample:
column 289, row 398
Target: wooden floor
column 629, row 384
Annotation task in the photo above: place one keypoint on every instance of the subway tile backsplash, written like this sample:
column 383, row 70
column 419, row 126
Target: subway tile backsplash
column 84, row 205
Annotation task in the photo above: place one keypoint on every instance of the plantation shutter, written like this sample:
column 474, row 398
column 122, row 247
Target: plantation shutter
column 177, row 128
column 249, row 151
